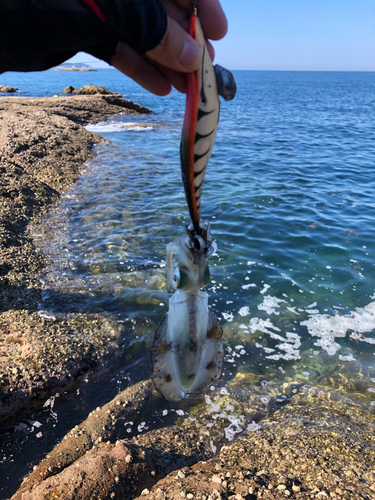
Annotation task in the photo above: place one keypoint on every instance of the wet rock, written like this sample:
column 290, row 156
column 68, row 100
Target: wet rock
column 43, row 150
column 302, row 451
column 8, row 89
column 81, row 109
column 71, row 90
column 95, row 89
column 93, row 450
column 80, row 481
column 331, row 457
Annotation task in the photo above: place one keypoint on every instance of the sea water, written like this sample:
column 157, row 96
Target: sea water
column 290, row 196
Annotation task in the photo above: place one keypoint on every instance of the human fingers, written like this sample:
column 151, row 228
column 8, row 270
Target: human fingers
column 176, row 78
column 132, row 64
column 177, row 50
column 213, row 20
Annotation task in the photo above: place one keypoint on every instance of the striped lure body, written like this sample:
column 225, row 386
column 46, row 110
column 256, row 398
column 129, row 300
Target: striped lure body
column 200, row 125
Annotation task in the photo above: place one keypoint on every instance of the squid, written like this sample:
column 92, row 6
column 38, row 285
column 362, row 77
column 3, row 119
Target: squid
column 187, row 353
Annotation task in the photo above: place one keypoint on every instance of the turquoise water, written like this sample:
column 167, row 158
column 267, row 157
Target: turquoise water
column 290, row 195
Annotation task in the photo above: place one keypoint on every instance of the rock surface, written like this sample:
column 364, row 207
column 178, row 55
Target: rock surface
column 89, row 90
column 43, row 149
column 301, row 451
column 70, row 90
column 8, row 89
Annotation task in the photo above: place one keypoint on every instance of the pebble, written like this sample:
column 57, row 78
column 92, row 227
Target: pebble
column 216, row 479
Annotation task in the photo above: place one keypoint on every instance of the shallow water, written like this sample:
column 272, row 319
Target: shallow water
column 290, row 196
column 289, row 193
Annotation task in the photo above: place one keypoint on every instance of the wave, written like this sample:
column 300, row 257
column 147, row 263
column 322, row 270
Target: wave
column 107, row 127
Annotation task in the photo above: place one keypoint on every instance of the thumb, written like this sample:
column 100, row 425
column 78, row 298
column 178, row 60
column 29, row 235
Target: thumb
column 177, row 50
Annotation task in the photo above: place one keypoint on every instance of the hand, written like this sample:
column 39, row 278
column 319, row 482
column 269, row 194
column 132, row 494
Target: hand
column 164, row 66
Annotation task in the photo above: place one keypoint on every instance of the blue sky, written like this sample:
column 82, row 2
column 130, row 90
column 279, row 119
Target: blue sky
column 317, row 35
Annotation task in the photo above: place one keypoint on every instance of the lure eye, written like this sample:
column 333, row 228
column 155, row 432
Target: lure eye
column 180, row 278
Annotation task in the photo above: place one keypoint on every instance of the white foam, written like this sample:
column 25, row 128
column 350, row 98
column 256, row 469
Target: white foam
column 246, row 287
column 244, row 311
column 227, row 316
column 290, row 347
column 108, row 127
column 234, row 427
column 46, row 315
column 293, row 310
column 263, row 325
column 270, row 304
column 142, row 427
column 213, row 406
column 348, row 358
column 329, row 327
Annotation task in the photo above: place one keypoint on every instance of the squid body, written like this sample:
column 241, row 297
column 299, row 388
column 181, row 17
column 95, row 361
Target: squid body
column 187, row 353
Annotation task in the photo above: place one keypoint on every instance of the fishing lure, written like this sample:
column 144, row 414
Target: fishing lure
column 201, row 120
column 187, row 353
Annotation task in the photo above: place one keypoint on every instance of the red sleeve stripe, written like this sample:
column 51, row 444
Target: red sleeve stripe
column 95, row 8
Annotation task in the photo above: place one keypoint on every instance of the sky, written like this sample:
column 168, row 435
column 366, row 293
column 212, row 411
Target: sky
column 302, row 35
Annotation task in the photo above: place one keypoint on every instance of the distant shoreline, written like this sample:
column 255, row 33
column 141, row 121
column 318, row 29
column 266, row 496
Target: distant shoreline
column 71, row 69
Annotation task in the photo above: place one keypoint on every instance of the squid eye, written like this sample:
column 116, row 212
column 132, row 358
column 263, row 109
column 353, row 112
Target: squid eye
column 206, row 276
column 177, row 278
column 180, row 278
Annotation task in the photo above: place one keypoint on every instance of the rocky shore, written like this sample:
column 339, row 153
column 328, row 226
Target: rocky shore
column 310, row 449
column 43, row 149
column 249, row 441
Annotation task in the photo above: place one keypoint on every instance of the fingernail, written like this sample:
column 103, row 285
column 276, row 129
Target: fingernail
column 190, row 56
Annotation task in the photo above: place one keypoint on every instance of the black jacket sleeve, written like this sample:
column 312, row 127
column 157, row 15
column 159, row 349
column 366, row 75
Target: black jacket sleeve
column 38, row 34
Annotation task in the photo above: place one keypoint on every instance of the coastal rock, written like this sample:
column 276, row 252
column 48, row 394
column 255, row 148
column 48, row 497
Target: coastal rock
column 89, row 90
column 301, row 451
column 8, row 89
column 82, row 109
column 43, row 150
column 95, row 89
column 71, row 90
